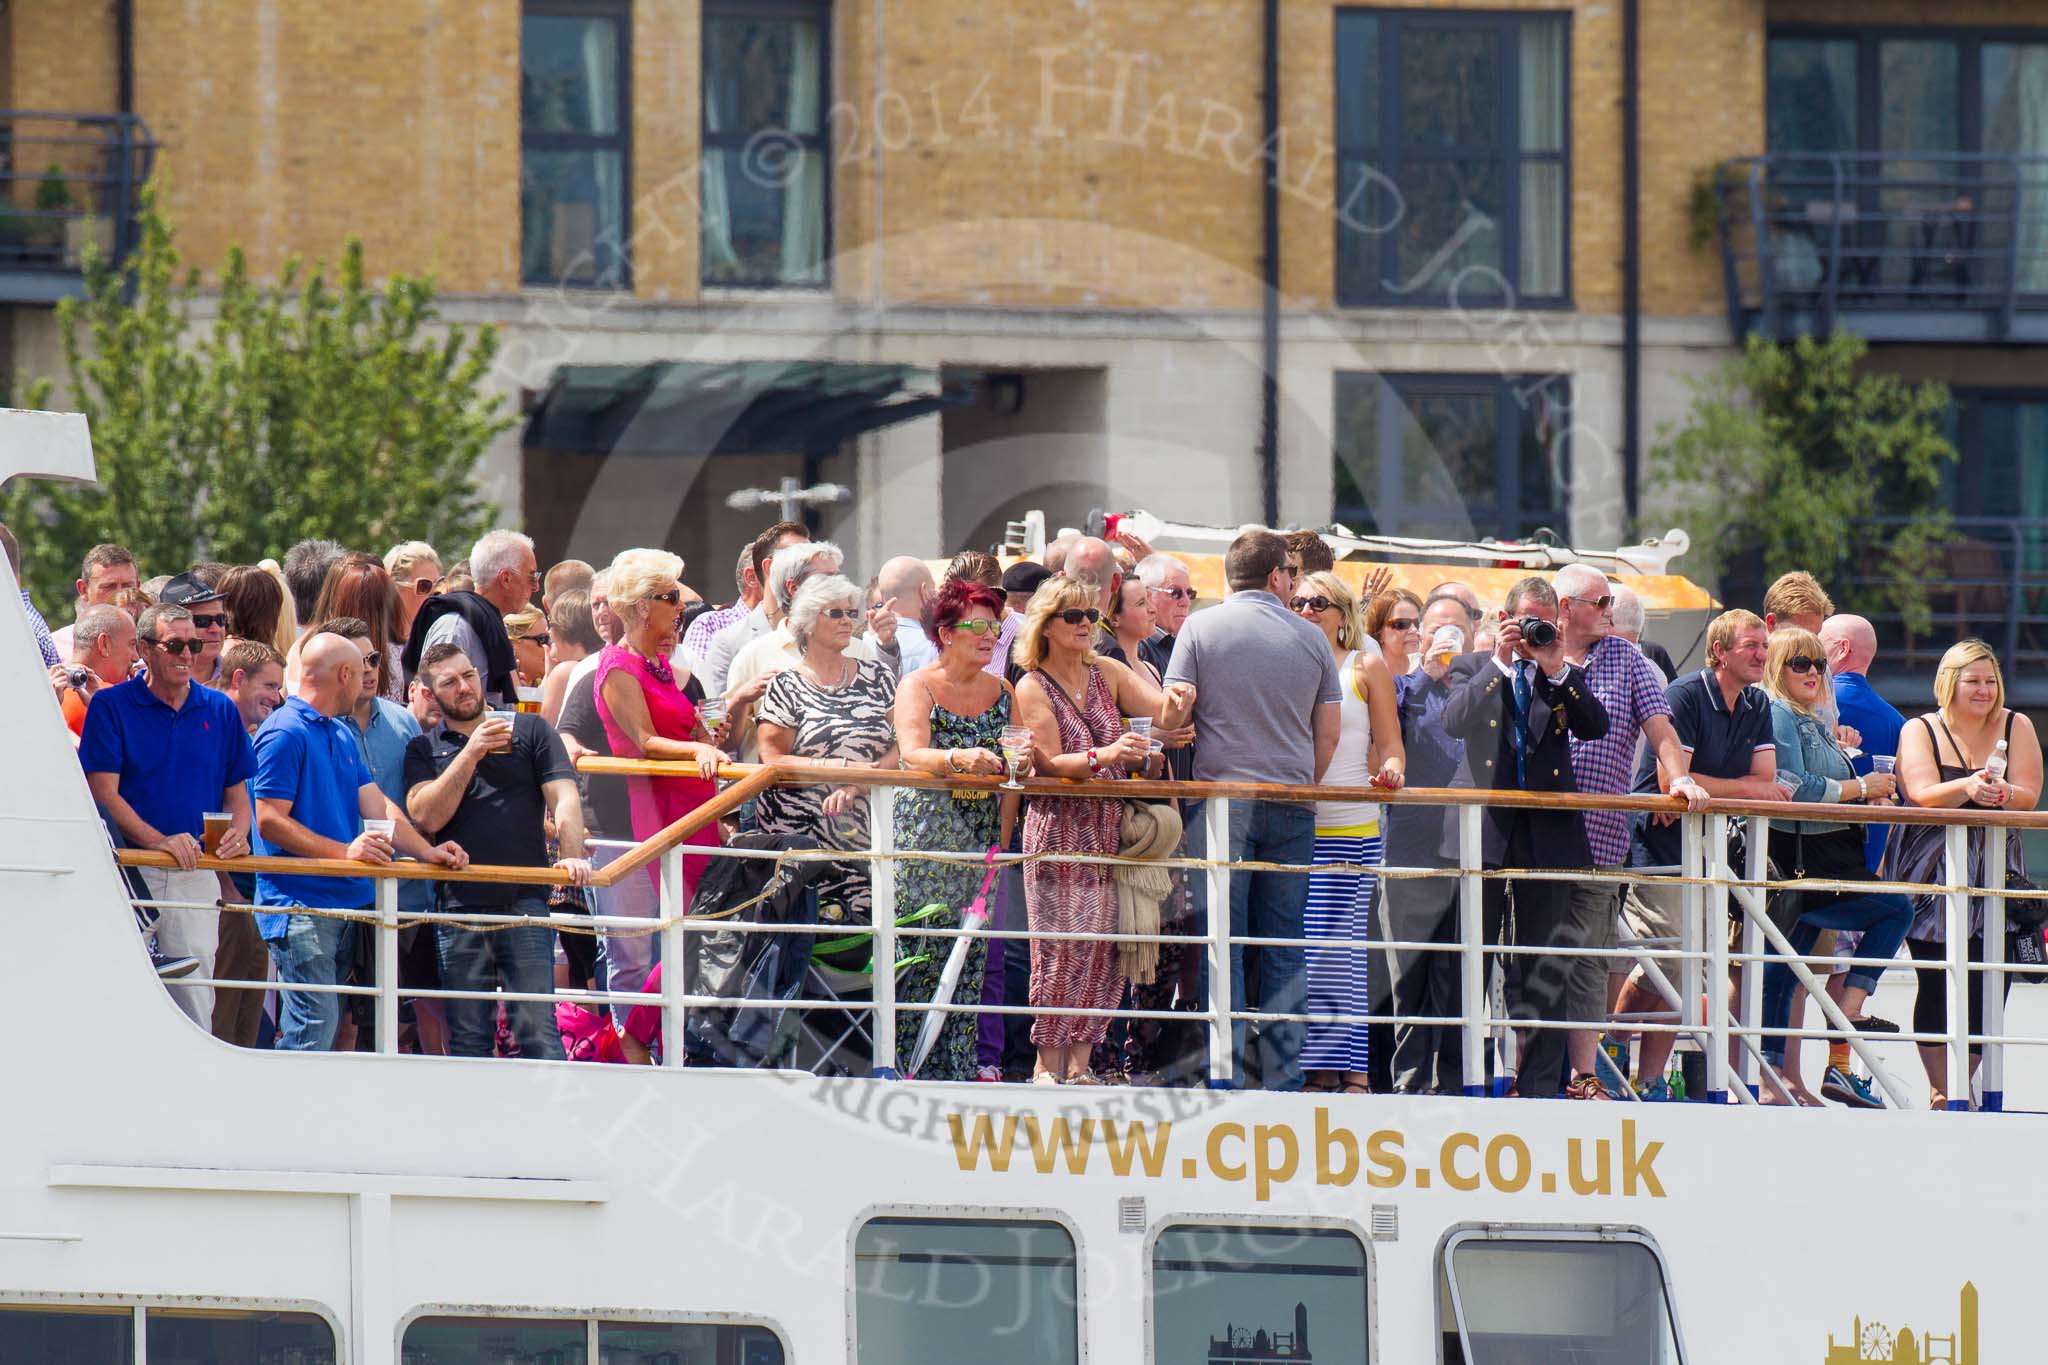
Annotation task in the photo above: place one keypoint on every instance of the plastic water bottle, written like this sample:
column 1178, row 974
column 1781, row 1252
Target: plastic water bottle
column 1995, row 766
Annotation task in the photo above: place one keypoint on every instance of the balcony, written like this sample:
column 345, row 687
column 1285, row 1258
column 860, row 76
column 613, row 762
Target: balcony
column 1920, row 247
column 67, row 181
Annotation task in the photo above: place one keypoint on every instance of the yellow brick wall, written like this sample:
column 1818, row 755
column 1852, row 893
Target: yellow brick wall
column 1030, row 154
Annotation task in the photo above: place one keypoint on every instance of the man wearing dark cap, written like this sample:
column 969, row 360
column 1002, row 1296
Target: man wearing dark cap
column 1020, row 581
column 209, row 622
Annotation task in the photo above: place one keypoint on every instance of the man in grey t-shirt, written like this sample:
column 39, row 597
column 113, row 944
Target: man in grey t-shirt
column 1266, row 710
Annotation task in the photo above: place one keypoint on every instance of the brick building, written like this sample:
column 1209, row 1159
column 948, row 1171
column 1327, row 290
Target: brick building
column 972, row 258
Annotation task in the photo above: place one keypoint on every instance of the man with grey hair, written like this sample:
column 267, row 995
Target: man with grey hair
column 1173, row 597
column 102, row 655
column 507, row 575
column 758, row 663
column 1631, row 693
column 305, row 570
column 160, row 754
column 1629, row 621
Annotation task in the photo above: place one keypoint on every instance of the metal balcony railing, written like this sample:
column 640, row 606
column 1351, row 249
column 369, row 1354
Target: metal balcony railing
column 68, row 182
column 1928, row 246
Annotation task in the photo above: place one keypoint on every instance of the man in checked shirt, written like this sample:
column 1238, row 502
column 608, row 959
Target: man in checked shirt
column 1628, row 688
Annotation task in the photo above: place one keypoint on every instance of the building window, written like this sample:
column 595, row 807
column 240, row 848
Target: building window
column 1453, row 172
column 989, row 1290
column 766, row 192
column 575, row 130
column 583, row 1341
column 1258, row 1293
column 104, row 1334
column 1934, row 111
column 1508, row 1295
column 1453, row 456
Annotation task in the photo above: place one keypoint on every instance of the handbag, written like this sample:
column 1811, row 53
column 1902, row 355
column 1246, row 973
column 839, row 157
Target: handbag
column 2026, row 956
column 2028, row 915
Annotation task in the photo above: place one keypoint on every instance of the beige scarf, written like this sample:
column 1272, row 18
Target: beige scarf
column 1149, row 831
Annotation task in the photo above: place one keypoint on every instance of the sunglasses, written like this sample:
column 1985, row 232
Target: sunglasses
column 1291, row 570
column 542, row 640
column 423, row 586
column 975, row 627
column 216, row 620
column 1177, row 594
column 1805, row 663
column 674, row 597
column 1075, row 616
column 1406, row 623
column 840, row 613
column 373, row 658
column 1316, row 603
column 177, row 646
column 1599, row 603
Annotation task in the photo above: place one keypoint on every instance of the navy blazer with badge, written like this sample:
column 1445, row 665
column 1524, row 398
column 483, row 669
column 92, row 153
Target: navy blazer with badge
column 1481, row 711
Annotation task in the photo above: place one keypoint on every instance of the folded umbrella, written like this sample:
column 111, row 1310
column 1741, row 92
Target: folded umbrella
column 973, row 919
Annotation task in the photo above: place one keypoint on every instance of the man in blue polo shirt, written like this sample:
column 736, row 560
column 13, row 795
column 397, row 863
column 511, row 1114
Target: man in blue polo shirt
column 313, row 790
column 1851, row 643
column 159, row 753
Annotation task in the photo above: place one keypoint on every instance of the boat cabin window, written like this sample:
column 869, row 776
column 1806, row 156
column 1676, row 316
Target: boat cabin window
column 104, row 1334
column 72, row 1334
column 1258, row 1293
column 1544, row 1298
column 566, row 1341
column 993, row 1291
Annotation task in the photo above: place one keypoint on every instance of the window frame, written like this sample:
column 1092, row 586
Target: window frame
column 965, row 1213
column 1869, row 42
column 620, row 14
column 1390, row 156
column 1508, row 518
column 591, row 1318
column 1460, row 1233
column 734, row 144
column 1260, row 1220
column 139, row 1306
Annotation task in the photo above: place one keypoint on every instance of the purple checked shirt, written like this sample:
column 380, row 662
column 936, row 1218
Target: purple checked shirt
column 1627, row 686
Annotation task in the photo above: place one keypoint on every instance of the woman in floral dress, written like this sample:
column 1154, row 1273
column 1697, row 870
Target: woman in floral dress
column 950, row 716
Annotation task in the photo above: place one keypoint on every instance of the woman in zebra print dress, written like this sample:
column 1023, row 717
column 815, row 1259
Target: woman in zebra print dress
column 1074, row 703
column 1335, row 1055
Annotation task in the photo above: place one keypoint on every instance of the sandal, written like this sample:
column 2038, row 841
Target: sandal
column 1355, row 1088
column 1082, row 1078
column 1044, row 1078
column 1319, row 1087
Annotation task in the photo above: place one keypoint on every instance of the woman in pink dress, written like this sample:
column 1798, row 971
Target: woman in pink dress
column 646, row 713
column 1074, row 701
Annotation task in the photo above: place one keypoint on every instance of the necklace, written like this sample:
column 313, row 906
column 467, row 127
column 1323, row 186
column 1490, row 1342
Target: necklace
column 846, row 672
column 661, row 669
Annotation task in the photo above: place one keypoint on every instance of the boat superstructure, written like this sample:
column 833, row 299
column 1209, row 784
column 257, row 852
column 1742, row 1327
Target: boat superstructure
column 164, row 1196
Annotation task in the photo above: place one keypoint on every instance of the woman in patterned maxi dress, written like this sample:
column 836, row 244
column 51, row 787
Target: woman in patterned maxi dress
column 1074, row 704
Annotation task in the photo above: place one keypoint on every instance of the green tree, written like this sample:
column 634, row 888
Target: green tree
column 1788, row 446
column 314, row 405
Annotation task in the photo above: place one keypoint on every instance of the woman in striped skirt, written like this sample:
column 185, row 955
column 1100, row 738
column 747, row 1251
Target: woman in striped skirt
column 1334, row 1055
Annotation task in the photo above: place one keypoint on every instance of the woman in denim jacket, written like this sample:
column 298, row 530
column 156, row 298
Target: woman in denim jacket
column 1812, row 767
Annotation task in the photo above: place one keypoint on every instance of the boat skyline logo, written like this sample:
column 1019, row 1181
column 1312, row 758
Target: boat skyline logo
column 1871, row 1342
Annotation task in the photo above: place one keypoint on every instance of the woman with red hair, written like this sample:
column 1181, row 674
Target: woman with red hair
column 950, row 715
column 358, row 586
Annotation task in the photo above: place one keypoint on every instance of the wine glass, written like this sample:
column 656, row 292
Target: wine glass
column 1016, row 743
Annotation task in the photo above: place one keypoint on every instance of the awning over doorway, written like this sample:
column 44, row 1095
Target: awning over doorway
column 741, row 407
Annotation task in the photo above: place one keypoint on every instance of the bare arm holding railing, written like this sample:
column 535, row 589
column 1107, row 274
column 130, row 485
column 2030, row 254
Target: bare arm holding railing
column 275, row 823
column 622, row 696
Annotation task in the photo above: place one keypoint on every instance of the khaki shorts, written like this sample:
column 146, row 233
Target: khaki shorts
column 1652, row 910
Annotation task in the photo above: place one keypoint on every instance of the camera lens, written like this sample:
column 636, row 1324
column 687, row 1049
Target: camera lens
column 1538, row 633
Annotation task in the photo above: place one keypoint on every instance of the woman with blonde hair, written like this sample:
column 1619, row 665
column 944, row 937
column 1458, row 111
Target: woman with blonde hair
column 1948, row 758
column 1369, row 750
column 1811, row 766
column 532, row 645
column 1073, row 702
column 415, row 569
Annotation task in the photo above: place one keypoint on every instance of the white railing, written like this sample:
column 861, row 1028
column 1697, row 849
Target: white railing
column 1699, row 1015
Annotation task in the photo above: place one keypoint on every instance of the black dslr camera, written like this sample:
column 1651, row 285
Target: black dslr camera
column 1537, row 633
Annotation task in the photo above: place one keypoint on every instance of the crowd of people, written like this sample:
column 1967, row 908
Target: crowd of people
column 346, row 707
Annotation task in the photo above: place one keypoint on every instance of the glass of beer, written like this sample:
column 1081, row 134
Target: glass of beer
column 217, row 822
column 529, row 700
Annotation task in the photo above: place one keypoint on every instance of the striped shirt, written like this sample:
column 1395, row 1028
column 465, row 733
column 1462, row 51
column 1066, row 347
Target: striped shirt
column 41, row 630
column 1628, row 687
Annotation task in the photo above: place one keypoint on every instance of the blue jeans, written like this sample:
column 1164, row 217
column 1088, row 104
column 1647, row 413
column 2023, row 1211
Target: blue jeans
column 520, row 958
column 315, row 951
column 1267, row 905
column 1882, row 918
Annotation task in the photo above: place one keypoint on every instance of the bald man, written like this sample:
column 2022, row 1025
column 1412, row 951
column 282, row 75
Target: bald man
column 313, row 792
column 1851, row 645
column 906, row 586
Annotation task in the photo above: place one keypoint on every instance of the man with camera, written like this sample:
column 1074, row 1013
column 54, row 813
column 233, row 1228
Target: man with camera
column 103, row 652
column 1517, row 711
